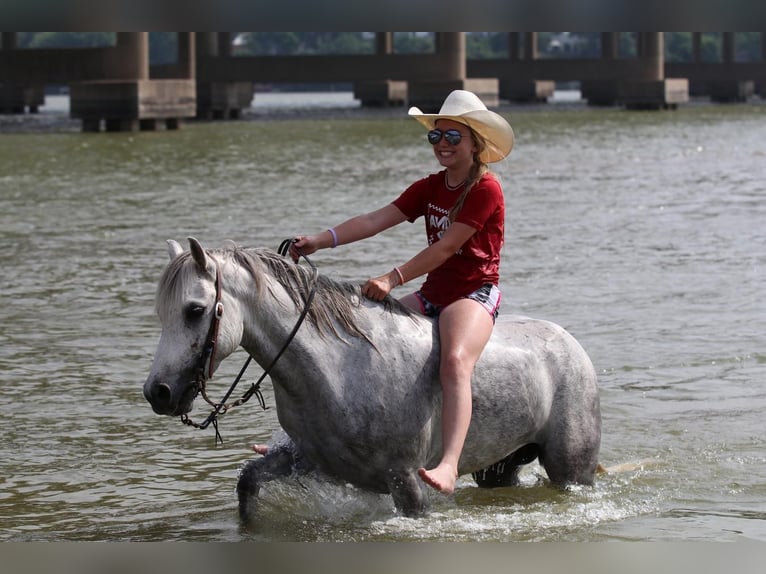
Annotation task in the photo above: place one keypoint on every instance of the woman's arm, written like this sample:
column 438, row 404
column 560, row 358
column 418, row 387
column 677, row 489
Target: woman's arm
column 424, row 262
column 354, row 229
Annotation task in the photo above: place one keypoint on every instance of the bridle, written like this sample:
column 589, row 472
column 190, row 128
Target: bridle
column 204, row 370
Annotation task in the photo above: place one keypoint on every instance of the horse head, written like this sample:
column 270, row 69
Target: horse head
column 196, row 333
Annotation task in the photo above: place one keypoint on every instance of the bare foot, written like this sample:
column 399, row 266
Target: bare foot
column 442, row 478
column 261, row 449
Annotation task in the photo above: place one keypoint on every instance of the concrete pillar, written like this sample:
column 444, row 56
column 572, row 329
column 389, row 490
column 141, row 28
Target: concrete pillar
column 220, row 100
column 604, row 91
column 610, row 45
column 762, row 84
column 650, row 89
column 696, row 46
column 135, row 62
column 653, row 54
column 224, row 44
column 730, row 90
column 523, row 89
column 513, row 47
column 187, row 61
column 451, row 48
column 10, row 40
column 383, row 92
column 451, row 64
column 728, row 48
column 384, row 43
column 206, row 44
column 530, row 46
column 126, row 99
column 697, row 87
column 16, row 97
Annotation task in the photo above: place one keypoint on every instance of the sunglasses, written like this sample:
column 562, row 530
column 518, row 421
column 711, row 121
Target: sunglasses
column 453, row 137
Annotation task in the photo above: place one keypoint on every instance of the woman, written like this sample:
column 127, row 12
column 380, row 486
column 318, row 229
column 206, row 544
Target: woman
column 464, row 214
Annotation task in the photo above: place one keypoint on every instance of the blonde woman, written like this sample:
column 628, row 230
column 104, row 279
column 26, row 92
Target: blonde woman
column 464, row 215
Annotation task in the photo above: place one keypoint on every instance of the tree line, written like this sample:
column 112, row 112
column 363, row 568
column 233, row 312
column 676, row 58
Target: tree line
column 163, row 45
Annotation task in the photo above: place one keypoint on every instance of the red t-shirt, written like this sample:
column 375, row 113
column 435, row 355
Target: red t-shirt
column 478, row 261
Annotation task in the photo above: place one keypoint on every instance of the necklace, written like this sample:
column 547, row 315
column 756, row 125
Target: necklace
column 452, row 187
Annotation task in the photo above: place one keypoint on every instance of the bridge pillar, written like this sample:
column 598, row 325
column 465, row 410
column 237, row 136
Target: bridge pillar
column 697, row 87
column 128, row 99
column 761, row 84
column 516, row 89
column 215, row 99
column 386, row 92
column 648, row 88
column 15, row 97
column 429, row 94
column 725, row 89
column 604, row 91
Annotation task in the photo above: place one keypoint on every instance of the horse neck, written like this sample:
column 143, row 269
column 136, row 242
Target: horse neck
column 269, row 316
column 266, row 313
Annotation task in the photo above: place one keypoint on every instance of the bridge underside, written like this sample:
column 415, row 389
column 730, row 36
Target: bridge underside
column 116, row 87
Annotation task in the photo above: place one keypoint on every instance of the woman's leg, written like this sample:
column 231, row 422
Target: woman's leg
column 464, row 329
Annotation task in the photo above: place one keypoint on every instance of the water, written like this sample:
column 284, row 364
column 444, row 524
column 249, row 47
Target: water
column 642, row 233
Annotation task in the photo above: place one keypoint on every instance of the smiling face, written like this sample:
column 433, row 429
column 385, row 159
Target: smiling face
column 456, row 158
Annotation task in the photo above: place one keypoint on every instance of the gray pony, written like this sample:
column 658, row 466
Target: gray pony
column 357, row 390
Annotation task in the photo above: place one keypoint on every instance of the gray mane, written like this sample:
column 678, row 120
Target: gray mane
column 335, row 302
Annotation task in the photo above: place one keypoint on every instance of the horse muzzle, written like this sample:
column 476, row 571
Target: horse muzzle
column 167, row 401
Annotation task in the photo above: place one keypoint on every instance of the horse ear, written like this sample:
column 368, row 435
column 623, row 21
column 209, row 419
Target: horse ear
column 198, row 254
column 174, row 249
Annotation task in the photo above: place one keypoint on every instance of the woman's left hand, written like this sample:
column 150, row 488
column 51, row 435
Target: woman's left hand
column 378, row 287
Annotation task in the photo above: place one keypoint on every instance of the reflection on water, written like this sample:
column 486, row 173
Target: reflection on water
column 640, row 233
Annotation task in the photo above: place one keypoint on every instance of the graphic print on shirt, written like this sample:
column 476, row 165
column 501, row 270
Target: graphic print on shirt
column 438, row 223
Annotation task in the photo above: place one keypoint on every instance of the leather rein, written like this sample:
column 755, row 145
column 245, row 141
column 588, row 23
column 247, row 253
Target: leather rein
column 206, row 361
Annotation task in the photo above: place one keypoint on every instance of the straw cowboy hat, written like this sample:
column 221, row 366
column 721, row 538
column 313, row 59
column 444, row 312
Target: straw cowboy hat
column 466, row 108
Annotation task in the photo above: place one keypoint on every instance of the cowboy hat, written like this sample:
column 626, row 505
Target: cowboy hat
column 466, row 108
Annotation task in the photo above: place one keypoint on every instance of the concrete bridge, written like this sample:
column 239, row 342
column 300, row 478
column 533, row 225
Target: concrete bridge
column 116, row 87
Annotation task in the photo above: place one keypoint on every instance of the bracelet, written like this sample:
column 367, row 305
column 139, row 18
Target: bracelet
column 334, row 237
column 401, row 277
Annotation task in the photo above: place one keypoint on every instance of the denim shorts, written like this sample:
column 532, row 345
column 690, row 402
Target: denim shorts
column 488, row 295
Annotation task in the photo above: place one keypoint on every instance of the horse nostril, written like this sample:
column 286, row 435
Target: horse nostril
column 162, row 393
column 158, row 394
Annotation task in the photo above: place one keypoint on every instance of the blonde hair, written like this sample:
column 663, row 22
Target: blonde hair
column 477, row 171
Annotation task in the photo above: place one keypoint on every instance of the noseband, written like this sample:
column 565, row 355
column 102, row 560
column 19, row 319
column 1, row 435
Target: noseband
column 206, row 361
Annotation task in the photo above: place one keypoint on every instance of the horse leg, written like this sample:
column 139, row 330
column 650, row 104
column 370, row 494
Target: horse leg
column 407, row 491
column 506, row 471
column 277, row 463
column 570, row 462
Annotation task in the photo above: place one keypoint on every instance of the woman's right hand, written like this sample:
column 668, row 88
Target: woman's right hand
column 304, row 245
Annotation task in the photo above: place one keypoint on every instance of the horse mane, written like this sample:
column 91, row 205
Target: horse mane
column 334, row 303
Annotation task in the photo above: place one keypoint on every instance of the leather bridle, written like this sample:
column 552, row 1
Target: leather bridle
column 204, row 369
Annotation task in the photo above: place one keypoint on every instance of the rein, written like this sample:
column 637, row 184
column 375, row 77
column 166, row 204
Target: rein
column 205, row 369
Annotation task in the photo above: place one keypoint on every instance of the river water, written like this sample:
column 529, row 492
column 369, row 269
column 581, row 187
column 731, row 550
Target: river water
column 641, row 233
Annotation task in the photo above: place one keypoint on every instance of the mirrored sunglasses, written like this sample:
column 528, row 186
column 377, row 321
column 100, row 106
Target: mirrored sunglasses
column 453, row 137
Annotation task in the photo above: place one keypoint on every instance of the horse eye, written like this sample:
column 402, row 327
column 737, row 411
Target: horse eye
column 194, row 312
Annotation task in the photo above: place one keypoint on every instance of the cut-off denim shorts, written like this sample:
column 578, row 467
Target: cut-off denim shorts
column 488, row 295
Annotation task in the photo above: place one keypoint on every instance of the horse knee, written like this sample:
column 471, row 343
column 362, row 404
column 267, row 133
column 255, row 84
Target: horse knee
column 248, row 482
column 248, row 488
column 277, row 463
